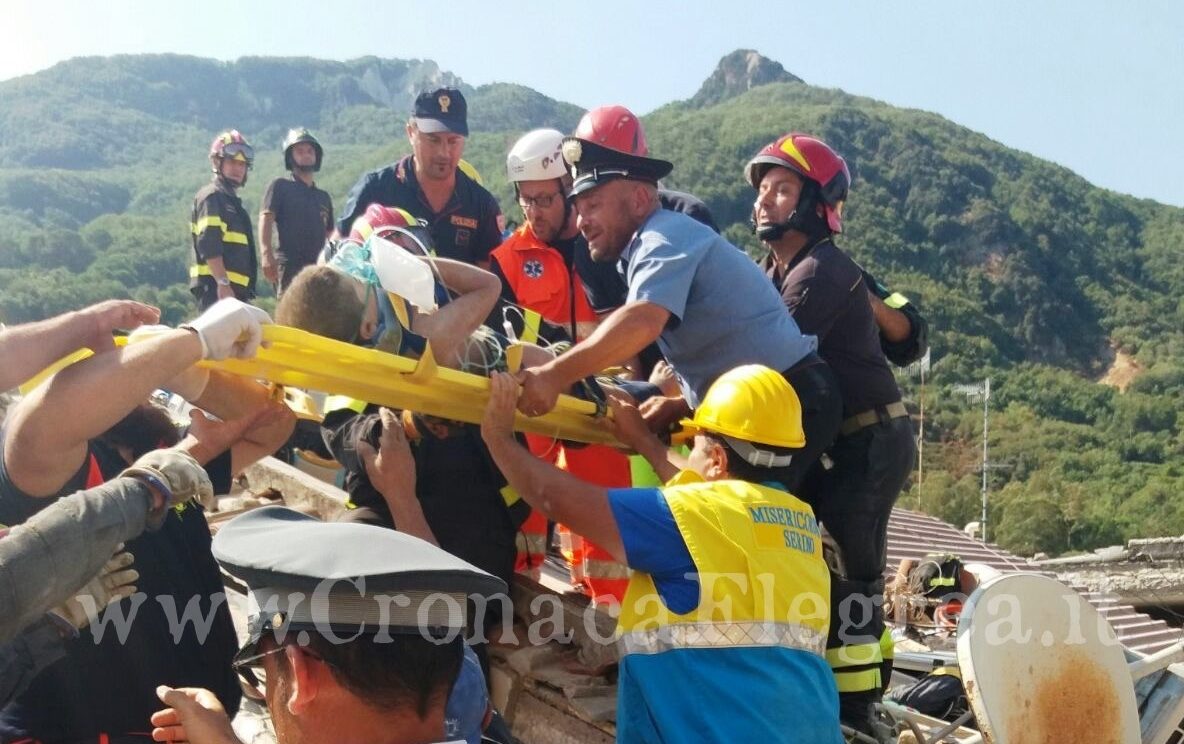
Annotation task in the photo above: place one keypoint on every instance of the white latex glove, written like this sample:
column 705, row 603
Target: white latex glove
column 177, row 474
column 230, row 328
column 111, row 584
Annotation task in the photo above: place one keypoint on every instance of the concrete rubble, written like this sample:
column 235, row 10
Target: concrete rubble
column 1145, row 572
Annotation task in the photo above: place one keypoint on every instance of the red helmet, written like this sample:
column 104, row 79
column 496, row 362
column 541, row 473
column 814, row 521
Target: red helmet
column 231, row 144
column 616, row 128
column 380, row 219
column 813, row 160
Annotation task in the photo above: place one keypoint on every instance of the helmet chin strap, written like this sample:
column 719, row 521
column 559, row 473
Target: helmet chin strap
column 802, row 219
column 769, row 233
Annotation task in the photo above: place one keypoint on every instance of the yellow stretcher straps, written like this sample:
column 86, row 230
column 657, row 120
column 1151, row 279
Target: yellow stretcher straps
column 531, row 321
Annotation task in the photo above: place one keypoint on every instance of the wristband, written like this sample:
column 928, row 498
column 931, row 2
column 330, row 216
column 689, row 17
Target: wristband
column 223, row 281
column 65, row 629
column 156, row 486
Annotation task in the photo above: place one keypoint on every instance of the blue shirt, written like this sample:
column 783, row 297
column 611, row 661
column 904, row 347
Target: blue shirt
column 724, row 312
column 730, row 703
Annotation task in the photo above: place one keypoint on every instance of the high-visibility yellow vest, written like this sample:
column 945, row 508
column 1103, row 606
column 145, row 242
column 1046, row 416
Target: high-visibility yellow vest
column 758, row 556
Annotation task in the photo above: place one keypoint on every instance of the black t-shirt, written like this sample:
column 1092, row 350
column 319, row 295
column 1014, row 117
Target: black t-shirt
column 303, row 218
column 109, row 686
column 465, row 230
column 457, row 483
column 824, row 291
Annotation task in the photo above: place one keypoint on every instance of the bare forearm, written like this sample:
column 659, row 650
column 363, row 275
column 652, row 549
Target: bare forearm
column 266, row 222
column 622, row 335
column 581, row 506
column 231, row 396
column 217, row 267
column 666, row 462
column 27, row 349
column 464, row 278
column 893, row 324
column 48, row 430
column 407, row 513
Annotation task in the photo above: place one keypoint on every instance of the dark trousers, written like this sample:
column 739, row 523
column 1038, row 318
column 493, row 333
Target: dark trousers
column 206, row 294
column 822, row 414
column 853, row 499
column 287, row 272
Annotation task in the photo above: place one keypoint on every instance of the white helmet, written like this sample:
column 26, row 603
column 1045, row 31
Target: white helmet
column 536, row 156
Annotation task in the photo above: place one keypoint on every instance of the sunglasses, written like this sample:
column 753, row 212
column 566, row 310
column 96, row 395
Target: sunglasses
column 251, row 675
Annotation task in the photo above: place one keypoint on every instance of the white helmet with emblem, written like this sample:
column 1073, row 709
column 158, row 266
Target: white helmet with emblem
column 536, row 156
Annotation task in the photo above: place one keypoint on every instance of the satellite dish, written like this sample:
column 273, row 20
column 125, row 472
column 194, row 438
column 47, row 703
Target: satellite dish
column 1041, row 665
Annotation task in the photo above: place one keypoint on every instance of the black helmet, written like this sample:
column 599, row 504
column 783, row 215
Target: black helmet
column 296, row 136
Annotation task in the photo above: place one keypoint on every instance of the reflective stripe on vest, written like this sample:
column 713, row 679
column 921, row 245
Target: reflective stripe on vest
column 868, row 679
column 228, row 236
column 887, row 645
column 605, row 569
column 862, row 654
column 233, row 276
column 723, row 635
column 531, row 543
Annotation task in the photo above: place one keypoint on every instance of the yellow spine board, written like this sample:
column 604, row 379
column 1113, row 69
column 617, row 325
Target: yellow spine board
column 305, row 360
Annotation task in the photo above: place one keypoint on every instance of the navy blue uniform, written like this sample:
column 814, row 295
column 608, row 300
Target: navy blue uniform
column 465, row 230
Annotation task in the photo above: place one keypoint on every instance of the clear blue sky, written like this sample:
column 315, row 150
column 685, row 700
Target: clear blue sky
column 1092, row 85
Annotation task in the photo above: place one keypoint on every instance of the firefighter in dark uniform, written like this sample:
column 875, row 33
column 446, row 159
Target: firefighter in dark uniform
column 801, row 185
column 300, row 212
column 458, row 211
column 223, row 244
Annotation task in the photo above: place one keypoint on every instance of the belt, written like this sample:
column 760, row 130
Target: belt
column 882, row 414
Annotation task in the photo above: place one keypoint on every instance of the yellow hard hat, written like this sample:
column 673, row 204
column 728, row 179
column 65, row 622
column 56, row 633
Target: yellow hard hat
column 752, row 404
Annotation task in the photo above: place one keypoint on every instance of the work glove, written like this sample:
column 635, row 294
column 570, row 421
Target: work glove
column 111, row 584
column 230, row 328
column 176, row 475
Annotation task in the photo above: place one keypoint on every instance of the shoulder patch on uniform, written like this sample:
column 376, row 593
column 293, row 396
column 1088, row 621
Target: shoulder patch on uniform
column 460, row 221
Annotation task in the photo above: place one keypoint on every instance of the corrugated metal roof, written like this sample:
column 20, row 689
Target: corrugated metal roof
column 913, row 535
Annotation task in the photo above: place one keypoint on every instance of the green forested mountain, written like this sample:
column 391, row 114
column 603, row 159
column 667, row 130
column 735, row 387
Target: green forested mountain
column 1028, row 273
